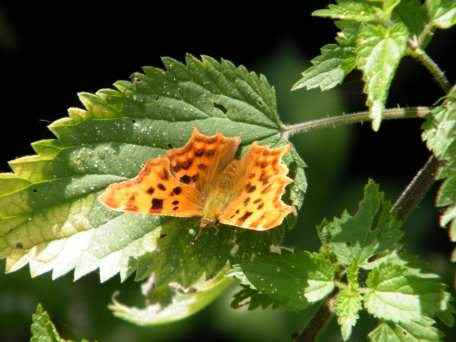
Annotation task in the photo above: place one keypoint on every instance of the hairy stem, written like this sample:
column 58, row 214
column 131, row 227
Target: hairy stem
column 430, row 65
column 416, row 189
column 334, row 121
column 426, row 176
column 318, row 321
column 427, row 31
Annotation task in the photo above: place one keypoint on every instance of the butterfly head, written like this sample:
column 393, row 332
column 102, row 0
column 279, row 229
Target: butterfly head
column 208, row 222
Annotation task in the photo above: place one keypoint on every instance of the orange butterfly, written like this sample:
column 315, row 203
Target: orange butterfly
column 203, row 179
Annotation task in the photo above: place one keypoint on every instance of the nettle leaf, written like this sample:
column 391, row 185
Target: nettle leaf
column 439, row 134
column 50, row 217
column 378, row 53
column 294, row 280
column 372, row 230
column 171, row 303
column 393, row 293
column 348, row 305
column 422, row 330
column 442, row 13
column 335, row 62
column 356, row 10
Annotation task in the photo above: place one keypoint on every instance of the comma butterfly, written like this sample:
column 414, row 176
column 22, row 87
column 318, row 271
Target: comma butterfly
column 204, row 179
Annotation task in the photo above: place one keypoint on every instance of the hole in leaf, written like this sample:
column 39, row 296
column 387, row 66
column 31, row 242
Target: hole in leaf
column 220, row 107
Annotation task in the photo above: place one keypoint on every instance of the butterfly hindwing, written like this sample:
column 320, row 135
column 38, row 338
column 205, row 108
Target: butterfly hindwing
column 256, row 202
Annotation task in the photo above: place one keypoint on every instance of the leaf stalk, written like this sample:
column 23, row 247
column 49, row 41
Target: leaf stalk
column 359, row 117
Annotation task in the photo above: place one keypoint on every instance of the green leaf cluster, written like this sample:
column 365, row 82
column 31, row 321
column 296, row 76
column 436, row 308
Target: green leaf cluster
column 360, row 267
column 439, row 134
column 373, row 38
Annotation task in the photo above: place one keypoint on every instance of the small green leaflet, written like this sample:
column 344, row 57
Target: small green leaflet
column 348, row 305
column 49, row 214
column 354, row 239
column 442, row 13
column 379, row 50
column 396, row 294
column 42, row 328
column 356, row 10
column 294, row 280
column 439, row 133
column 335, row 62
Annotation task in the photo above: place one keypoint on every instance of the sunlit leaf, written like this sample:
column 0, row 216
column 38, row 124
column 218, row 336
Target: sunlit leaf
column 348, row 305
column 50, row 217
column 379, row 51
column 421, row 330
column 293, row 279
column 394, row 294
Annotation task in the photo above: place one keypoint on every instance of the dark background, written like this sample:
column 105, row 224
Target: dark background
column 50, row 51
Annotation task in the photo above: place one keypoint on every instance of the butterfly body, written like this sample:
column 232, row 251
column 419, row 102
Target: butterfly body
column 220, row 195
column 204, row 179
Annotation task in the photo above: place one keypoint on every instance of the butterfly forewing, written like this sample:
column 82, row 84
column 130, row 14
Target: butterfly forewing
column 178, row 183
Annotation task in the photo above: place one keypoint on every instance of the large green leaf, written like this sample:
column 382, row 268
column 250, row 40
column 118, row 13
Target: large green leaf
column 379, row 51
column 49, row 214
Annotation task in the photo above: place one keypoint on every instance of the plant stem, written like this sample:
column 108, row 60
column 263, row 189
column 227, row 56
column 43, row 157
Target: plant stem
column 430, row 65
column 334, row 121
column 416, row 189
column 426, row 176
column 427, row 30
column 318, row 321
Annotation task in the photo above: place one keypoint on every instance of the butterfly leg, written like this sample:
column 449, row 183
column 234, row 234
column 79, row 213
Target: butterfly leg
column 197, row 235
